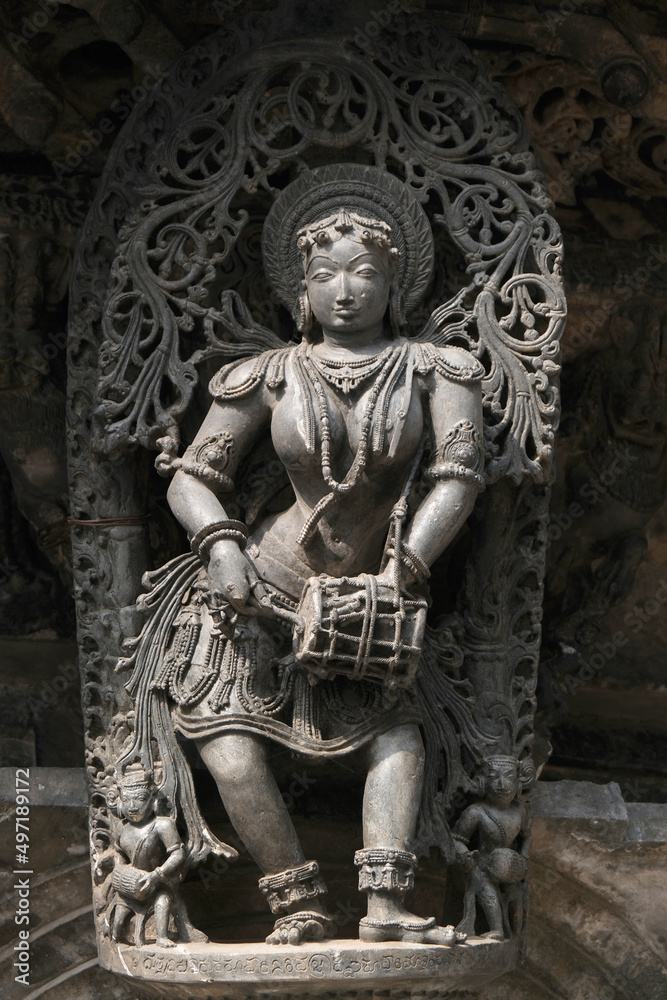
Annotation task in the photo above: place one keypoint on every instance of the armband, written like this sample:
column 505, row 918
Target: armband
column 412, row 561
column 207, row 460
column 451, row 470
column 462, row 456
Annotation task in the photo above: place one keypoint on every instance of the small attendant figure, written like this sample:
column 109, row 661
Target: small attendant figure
column 148, row 862
column 495, row 870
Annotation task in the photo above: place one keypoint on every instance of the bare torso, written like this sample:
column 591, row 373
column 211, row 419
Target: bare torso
column 351, row 535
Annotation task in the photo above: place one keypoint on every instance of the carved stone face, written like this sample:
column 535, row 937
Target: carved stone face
column 502, row 783
column 348, row 285
column 136, row 803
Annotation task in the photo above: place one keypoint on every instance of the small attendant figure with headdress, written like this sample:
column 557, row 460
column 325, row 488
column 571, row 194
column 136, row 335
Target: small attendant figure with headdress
column 495, row 870
column 148, row 863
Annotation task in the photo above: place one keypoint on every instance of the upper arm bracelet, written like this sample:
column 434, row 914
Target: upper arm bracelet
column 453, row 470
column 207, row 460
column 462, row 456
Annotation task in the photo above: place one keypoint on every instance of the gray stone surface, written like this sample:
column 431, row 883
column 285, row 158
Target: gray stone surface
column 49, row 786
column 582, row 806
column 647, row 822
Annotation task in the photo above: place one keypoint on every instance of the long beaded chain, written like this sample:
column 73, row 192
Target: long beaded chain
column 361, row 457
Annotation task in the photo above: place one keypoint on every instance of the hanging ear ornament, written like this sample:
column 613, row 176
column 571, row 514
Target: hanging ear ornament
column 304, row 321
column 338, row 193
column 396, row 310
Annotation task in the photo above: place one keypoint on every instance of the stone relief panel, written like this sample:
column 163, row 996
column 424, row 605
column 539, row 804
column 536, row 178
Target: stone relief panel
column 353, row 166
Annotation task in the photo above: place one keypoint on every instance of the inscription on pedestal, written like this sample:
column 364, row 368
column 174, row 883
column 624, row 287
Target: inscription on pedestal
column 300, row 968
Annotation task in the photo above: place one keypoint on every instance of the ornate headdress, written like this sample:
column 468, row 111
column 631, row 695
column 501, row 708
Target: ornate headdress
column 345, row 224
column 377, row 206
column 525, row 768
column 134, row 776
column 502, row 760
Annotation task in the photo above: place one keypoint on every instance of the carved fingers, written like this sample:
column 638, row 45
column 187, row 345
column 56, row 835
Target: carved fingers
column 231, row 576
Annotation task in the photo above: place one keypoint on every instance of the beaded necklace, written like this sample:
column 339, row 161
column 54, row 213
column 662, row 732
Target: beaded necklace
column 348, row 375
column 384, row 370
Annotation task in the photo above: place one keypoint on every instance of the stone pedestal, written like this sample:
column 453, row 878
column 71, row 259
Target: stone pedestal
column 342, row 969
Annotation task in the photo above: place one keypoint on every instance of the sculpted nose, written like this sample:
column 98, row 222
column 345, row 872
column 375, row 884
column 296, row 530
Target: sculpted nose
column 343, row 292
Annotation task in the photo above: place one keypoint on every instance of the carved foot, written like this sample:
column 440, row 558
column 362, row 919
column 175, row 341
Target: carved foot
column 302, row 926
column 415, row 931
column 164, row 942
column 187, row 932
column 195, row 935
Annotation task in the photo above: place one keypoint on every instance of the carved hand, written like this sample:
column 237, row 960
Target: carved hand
column 386, row 577
column 231, row 576
column 467, row 859
column 149, row 882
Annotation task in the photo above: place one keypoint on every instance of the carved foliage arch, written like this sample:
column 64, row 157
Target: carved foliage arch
column 171, row 252
column 418, row 108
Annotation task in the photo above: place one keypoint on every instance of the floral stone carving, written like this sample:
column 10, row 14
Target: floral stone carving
column 392, row 415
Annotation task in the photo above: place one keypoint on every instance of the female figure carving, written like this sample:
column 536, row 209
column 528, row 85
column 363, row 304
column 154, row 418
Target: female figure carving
column 349, row 410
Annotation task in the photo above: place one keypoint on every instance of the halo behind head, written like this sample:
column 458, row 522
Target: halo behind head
column 348, row 192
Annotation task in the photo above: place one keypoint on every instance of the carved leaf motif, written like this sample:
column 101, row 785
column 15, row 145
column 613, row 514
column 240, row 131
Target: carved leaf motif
column 465, row 158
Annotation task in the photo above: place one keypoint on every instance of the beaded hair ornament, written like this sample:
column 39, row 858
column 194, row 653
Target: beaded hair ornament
column 350, row 200
column 347, row 225
column 369, row 232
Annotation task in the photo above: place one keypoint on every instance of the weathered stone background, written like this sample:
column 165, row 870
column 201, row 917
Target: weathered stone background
column 590, row 77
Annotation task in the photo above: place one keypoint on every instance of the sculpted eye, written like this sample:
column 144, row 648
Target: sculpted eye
column 322, row 274
column 366, row 271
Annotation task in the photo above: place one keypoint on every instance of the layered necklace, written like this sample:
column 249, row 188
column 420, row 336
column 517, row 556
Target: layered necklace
column 388, row 366
column 348, row 375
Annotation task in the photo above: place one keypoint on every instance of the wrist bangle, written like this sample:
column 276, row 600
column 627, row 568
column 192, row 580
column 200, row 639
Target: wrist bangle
column 412, row 562
column 218, row 536
column 232, row 529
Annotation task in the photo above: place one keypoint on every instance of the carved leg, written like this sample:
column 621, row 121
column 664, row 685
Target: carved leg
column 238, row 762
column 248, row 789
column 467, row 924
column 121, row 913
column 161, row 907
column 139, row 929
column 391, row 802
column 393, row 788
column 488, row 898
column 186, row 930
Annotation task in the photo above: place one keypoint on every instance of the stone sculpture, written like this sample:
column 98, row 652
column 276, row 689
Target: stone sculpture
column 498, row 822
column 146, row 864
column 349, row 410
column 407, row 409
